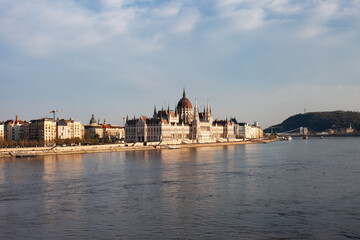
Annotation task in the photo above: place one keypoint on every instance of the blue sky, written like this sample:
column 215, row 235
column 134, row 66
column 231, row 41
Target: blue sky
column 256, row 60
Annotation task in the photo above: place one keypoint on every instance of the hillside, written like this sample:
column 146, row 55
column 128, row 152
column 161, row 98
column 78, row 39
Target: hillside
column 319, row 121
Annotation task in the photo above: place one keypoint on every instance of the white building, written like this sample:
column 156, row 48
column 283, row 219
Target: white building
column 69, row 129
column 247, row 131
column 155, row 130
column 13, row 129
column 182, row 125
column 104, row 131
column 2, row 131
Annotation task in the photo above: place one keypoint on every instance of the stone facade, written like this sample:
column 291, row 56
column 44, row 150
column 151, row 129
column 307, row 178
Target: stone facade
column 43, row 130
column 13, row 129
column 2, row 131
column 184, row 125
column 247, row 131
column 103, row 130
column 69, row 129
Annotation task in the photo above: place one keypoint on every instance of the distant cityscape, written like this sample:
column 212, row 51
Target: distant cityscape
column 184, row 124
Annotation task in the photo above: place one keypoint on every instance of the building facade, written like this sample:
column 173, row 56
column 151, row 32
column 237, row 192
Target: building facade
column 42, row 130
column 247, row 131
column 69, row 129
column 184, row 125
column 103, row 130
column 2, row 131
column 13, row 129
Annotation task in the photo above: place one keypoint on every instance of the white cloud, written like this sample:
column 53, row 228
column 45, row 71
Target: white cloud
column 112, row 3
column 43, row 27
column 249, row 19
column 187, row 20
column 170, row 9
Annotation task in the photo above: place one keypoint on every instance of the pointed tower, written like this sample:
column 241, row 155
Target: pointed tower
column 195, row 128
column 196, row 111
column 209, row 117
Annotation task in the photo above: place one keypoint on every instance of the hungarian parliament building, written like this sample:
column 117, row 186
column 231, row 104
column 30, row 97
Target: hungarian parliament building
column 183, row 125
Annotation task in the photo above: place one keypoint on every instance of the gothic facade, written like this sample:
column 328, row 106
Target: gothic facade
column 184, row 125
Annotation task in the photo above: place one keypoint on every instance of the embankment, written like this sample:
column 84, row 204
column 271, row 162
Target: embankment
column 42, row 151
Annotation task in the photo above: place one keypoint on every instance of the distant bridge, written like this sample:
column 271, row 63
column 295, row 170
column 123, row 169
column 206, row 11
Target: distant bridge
column 300, row 131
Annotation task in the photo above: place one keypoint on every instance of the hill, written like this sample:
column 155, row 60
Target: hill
column 319, row 121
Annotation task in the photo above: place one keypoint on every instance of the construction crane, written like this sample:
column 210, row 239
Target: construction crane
column 54, row 111
column 123, row 121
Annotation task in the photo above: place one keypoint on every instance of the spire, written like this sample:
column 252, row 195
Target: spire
column 154, row 110
column 127, row 118
column 196, row 112
column 184, row 94
column 208, row 107
column 168, row 109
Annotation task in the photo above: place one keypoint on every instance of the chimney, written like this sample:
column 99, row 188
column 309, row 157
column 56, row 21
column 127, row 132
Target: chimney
column 16, row 119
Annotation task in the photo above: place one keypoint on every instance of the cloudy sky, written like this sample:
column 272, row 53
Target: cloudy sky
column 258, row 60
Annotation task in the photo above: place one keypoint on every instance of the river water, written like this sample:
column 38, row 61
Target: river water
column 302, row 189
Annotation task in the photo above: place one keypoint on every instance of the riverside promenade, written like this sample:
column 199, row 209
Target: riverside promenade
column 43, row 151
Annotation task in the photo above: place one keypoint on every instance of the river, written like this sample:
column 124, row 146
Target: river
column 301, row 189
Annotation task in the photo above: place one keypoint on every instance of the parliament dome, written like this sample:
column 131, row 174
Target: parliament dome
column 184, row 102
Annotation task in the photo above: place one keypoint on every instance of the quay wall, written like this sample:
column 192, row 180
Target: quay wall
column 42, row 151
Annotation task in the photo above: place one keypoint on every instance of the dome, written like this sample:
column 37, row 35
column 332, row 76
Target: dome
column 184, row 102
column 92, row 120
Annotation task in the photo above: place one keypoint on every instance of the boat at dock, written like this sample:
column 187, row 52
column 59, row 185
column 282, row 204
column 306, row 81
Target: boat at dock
column 174, row 147
column 289, row 138
column 22, row 154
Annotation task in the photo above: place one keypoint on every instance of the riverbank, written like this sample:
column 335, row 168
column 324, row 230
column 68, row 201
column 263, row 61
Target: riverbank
column 58, row 150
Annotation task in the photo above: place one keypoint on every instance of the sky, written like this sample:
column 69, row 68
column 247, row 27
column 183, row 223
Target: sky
column 261, row 60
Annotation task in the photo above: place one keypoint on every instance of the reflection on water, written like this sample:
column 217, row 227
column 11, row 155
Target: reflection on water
column 299, row 189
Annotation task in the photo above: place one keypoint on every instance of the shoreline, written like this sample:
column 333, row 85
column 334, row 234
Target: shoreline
column 46, row 151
